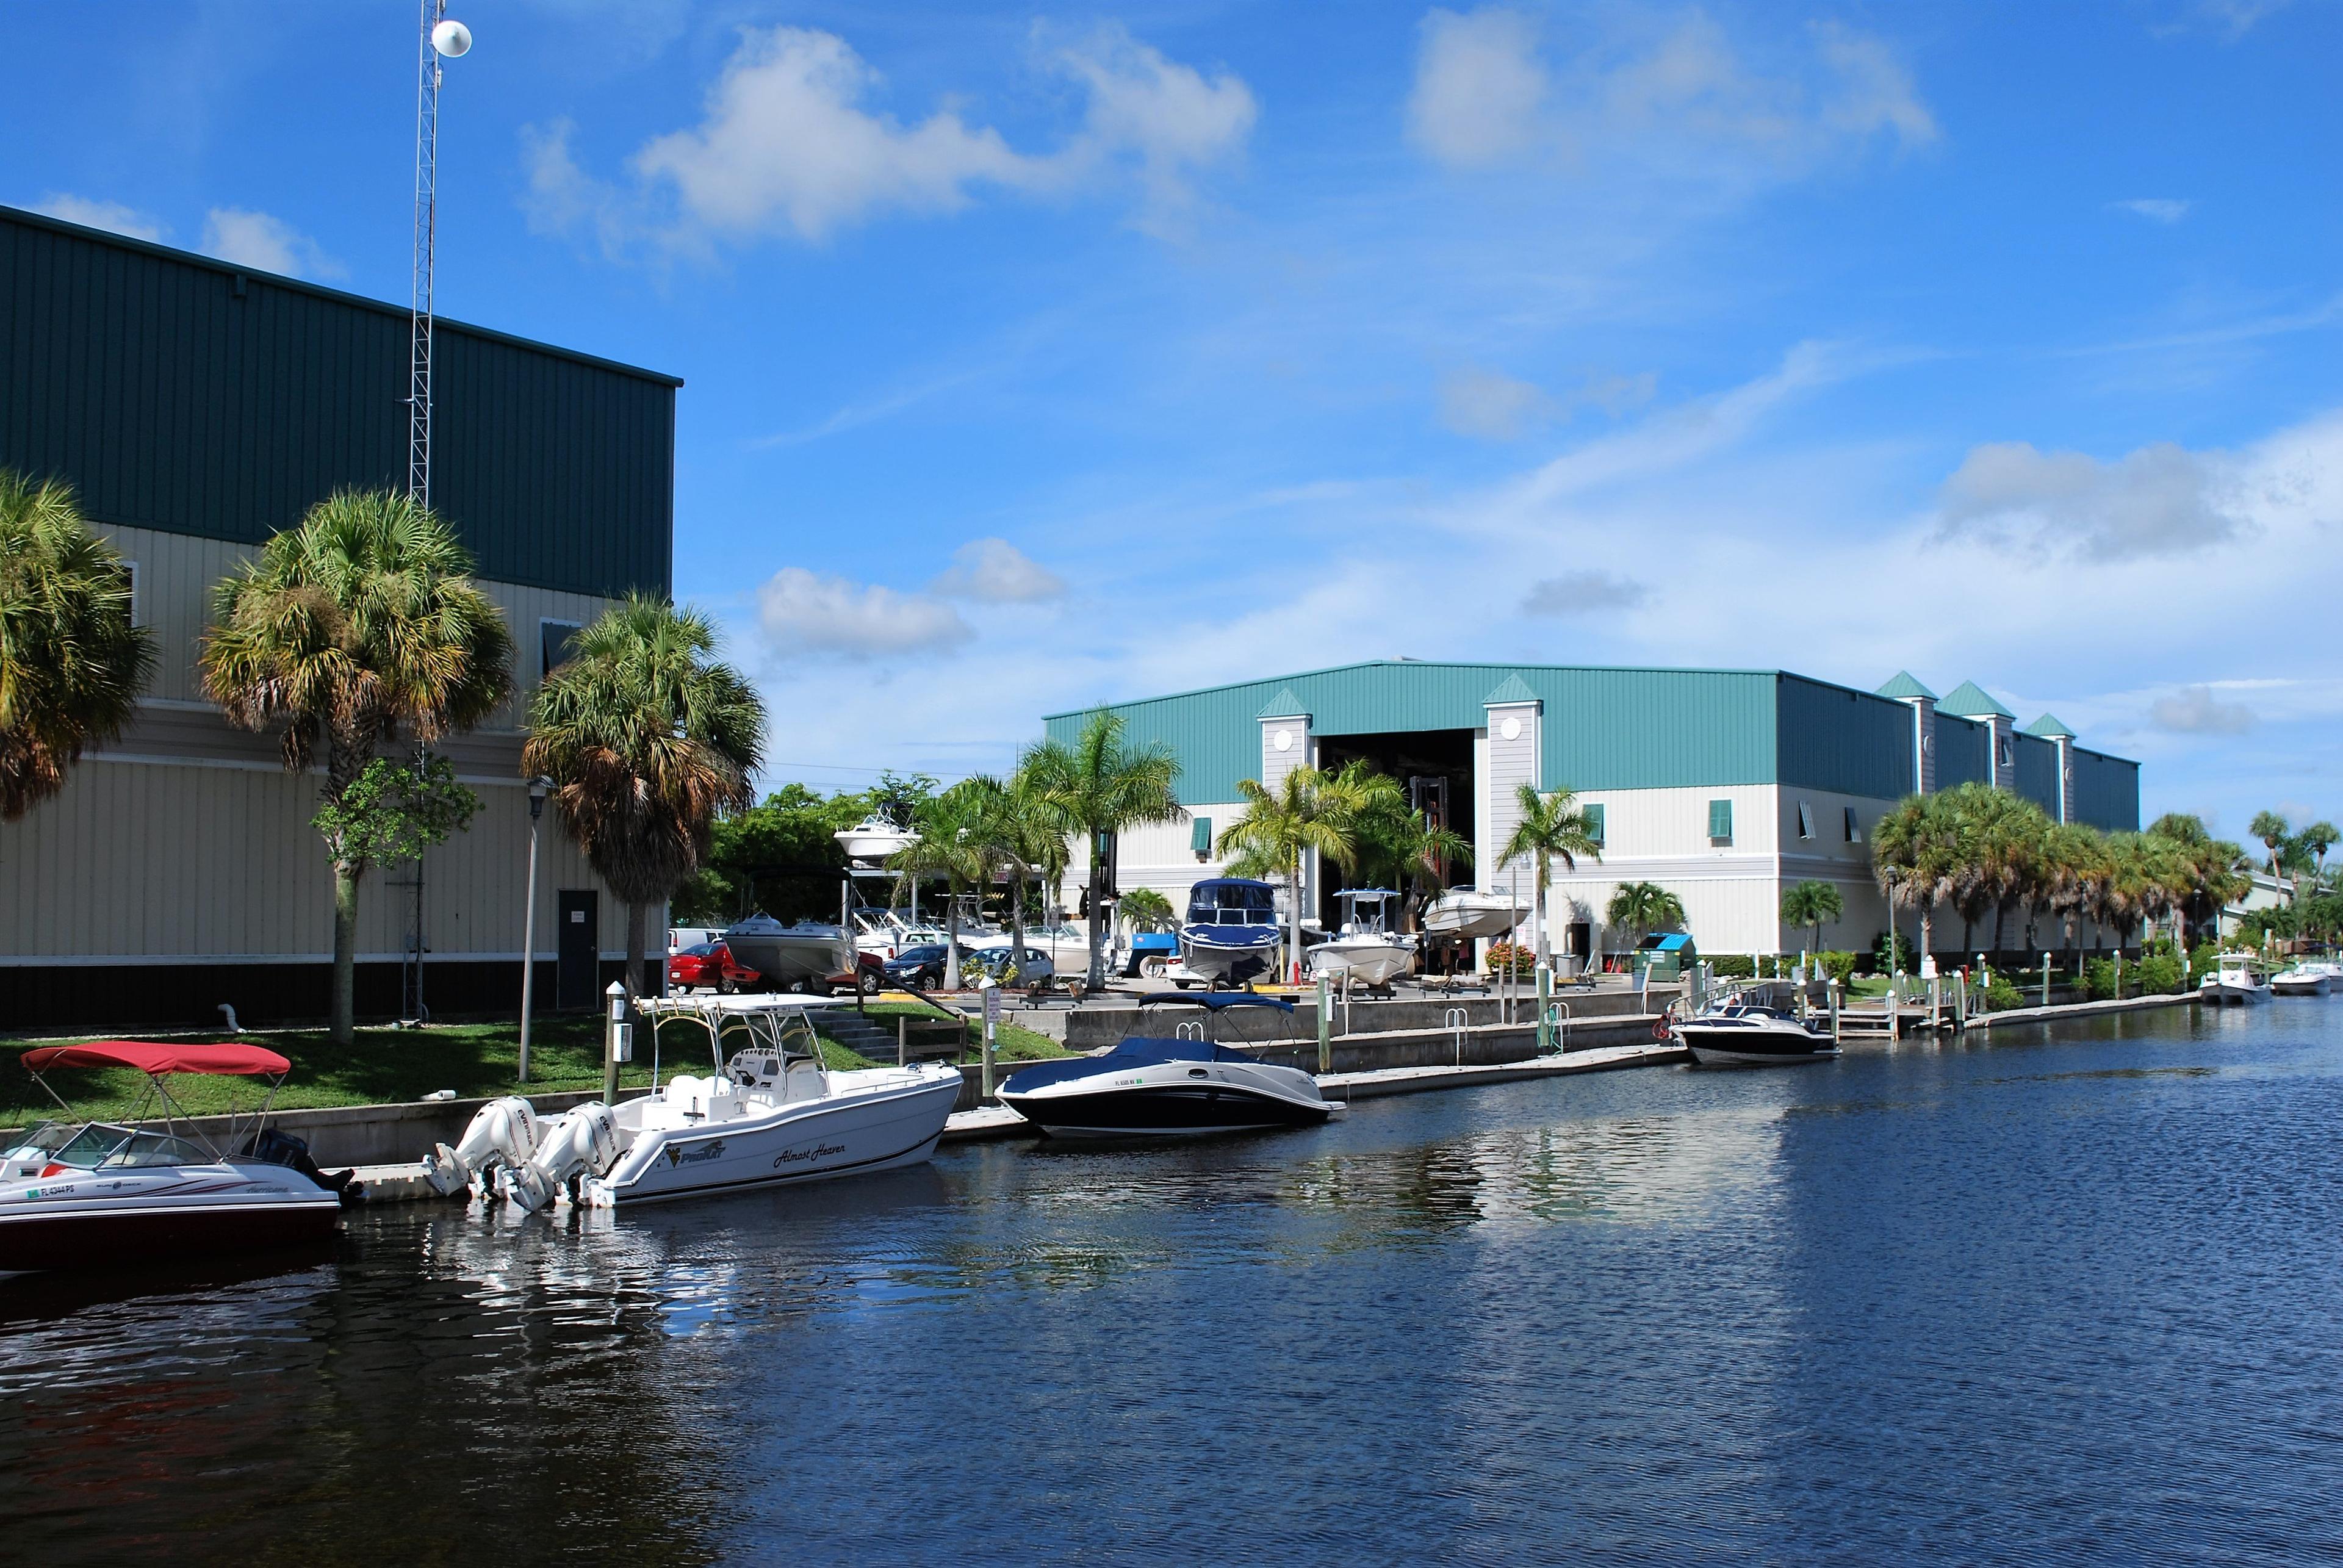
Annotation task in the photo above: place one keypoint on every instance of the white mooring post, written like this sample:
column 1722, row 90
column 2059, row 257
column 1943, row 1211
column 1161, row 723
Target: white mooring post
column 1830, row 993
column 1544, row 1009
column 2046, row 977
column 615, row 1043
column 1326, row 1024
column 992, row 990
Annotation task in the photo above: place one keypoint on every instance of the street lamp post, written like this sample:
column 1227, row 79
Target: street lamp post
column 537, row 788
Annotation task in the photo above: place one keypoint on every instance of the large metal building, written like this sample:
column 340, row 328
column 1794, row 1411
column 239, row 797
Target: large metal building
column 1724, row 786
column 198, row 408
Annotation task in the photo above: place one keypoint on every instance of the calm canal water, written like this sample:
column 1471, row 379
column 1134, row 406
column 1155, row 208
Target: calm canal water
column 2059, row 1298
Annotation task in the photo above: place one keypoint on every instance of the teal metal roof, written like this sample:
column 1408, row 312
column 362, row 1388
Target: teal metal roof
column 1904, row 686
column 2050, row 726
column 1284, row 705
column 1606, row 728
column 1971, row 700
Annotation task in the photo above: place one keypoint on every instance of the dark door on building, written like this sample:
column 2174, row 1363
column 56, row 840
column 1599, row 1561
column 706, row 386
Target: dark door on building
column 578, row 917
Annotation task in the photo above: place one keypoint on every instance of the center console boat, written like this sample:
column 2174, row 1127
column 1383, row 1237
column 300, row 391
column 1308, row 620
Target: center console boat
column 769, row 1114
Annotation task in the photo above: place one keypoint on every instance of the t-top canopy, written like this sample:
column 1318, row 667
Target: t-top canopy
column 153, row 1056
column 1214, row 999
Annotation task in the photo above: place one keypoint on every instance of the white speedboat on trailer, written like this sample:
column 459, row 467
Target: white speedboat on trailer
column 769, row 1114
column 1468, row 914
column 1749, row 1034
column 2233, row 983
column 108, row 1194
column 2301, row 979
column 1365, row 950
column 1231, row 934
column 1181, row 1086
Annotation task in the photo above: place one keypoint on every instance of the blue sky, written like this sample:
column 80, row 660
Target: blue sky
column 1037, row 356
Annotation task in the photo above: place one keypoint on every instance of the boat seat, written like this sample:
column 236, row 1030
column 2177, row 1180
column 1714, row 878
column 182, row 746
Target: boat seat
column 804, row 1082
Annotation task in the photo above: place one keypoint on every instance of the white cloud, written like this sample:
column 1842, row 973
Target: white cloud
column 2160, row 499
column 1581, row 593
column 266, row 244
column 2162, row 209
column 2195, row 710
column 801, row 613
column 1480, row 88
column 994, row 571
column 1494, row 406
column 1681, row 98
column 110, row 216
column 1490, row 405
column 790, row 144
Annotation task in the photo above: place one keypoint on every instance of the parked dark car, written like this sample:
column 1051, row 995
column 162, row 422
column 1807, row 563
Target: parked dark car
column 922, row 966
column 709, row 964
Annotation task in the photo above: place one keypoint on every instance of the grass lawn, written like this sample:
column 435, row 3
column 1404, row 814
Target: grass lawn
column 384, row 1065
column 1011, row 1042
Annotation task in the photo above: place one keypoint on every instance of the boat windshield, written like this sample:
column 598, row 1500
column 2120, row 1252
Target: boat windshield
column 143, row 1149
column 88, row 1149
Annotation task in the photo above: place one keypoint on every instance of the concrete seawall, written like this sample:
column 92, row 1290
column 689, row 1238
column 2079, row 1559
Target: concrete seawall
column 2056, row 1012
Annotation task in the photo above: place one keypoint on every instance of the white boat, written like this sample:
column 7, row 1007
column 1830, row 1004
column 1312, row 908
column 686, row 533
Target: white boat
column 874, row 839
column 1185, row 1086
column 1469, row 915
column 806, row 956
column 769, row 1114
column 1749, row 1035
column 2301, row 979
column 103, row 1194
column 2234, row 984
column 1364, row 951
column 1231, row 934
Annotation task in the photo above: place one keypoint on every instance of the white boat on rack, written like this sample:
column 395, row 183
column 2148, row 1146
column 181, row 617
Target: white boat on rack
column 769, row 1114
column 874, row 839
column 1469, row 915
column 2236, row 983
column 1365, row 950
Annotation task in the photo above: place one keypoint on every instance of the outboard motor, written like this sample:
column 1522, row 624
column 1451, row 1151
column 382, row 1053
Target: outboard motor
column 580, row 1143
column 274, row 1147
column 503, row 1132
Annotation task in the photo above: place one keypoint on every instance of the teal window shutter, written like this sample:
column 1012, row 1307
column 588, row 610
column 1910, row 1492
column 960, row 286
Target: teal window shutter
column 1720, row 819
column 1806, row 820
column 1200, row 837
column 1593, row 816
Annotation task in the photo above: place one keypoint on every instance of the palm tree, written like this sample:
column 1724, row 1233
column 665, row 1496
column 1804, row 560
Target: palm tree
column 1145, row 910
column 2072, row 867
column 2312, row 843
column 2272, row 830
column 2206, row 868
column 1916, row 855
column 71, row 663
column 1814, row 904
column 1400, row 841
column 1551, row 828
column 1096, row 788
column 1309, row 810
column 1006, row 825
column 950, row 842
column 361, row 620
column 648, row 739
column 1640, row 909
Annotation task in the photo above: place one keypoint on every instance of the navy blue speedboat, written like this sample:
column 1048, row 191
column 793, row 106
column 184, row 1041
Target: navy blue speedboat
column 1232, row 934
column 1153, row 1086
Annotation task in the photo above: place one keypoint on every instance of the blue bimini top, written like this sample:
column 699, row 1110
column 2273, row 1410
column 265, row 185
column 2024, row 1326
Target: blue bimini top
column 1136, row 1052
column 1214, row 999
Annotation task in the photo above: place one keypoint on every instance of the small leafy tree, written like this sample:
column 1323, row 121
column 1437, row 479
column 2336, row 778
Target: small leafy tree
column 1640, row 909
column 394, row 811
column 1145, row 910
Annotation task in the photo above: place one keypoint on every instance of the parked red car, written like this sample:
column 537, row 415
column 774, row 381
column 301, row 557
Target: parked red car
column 709, row 964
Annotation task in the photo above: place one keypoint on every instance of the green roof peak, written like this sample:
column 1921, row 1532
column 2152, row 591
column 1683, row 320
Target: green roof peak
column 1284, row 705
column 2050, row 726
column 1512, row 689
column 1970, row 700
column 1903, row 688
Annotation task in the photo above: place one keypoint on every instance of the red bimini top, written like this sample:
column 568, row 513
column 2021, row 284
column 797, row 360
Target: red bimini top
column 151, row 1056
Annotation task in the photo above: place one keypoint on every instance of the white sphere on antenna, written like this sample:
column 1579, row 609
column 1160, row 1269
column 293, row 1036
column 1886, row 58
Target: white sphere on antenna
column 451, row 38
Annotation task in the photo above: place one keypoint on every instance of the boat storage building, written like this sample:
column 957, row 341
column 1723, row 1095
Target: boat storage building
column 1724, row 786
column 197, row 407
